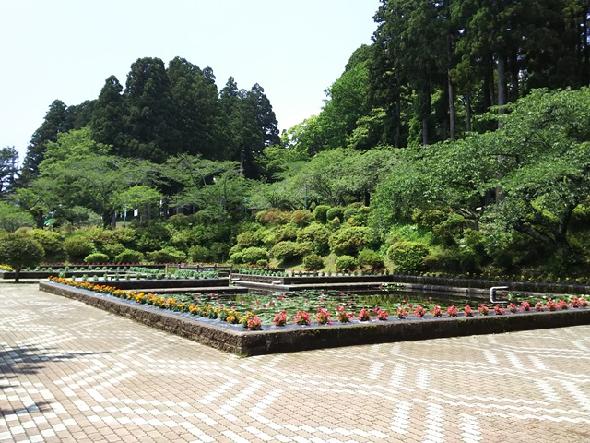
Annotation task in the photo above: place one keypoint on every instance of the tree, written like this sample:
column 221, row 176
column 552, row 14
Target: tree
column 12, row 218
column 108, row 119
column 8, row 169
column 19, row 251
column 56, row 121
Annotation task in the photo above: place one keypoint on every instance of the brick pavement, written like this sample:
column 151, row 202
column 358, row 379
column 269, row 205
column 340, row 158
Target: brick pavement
column 70, row 372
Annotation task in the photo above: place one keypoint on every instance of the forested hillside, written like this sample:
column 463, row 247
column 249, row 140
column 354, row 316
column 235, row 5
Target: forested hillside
column 458, row 141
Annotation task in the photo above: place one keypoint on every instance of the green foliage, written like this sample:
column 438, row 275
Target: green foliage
column 369, row 259
column 97, row 257
column 52, row 243
column 301, row 217
column 318, row 235
column 320, row 212
column 199, row 253
column 350, row 240
column 129, row 256
column 408, row 257
column 167, row 254
column 12, row 218
column 78, row 247
column 273, row 217
column 345, row 263
column 334, row 213
column 313, row 262
column 287, row 251
column 249, row 255
column 19, row 251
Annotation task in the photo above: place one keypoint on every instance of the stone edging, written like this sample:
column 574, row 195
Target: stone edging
column 295, row 338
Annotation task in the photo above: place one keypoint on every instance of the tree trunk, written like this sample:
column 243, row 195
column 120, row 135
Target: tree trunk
column 501, row 82
column 451, row 89
column 425, row 110
column 468, row 112
column 16, row 274
column 489, row 95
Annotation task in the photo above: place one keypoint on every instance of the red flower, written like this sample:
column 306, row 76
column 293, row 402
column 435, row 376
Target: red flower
column 280, row 319
column 322, row 316
column 420, row 311
column 437, row 311
column 512, row 308
column 402, row 312
column 483, row 309
column 468, row 311
column 562, row 304
column 499, row 310
column 452, row 311
column 302, row 318
column 383, row 314
column 254, row 323
column 551, row 305
column 539, row 307
column 364, row 315
column 343, row 316
column 525, row 306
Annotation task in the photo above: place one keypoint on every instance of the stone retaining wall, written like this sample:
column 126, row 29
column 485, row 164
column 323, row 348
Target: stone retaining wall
column 296, row 338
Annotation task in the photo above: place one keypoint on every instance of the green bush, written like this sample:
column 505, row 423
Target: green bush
column 356, row 215
column 251, row 255
column 334, row 213
column 350, row 240
column 219, row 251
column 287, row 232
column 346, row 263
column 273, row 217
column 288, row 251
column 97, row 257
column 19, row 251
column 152, row 237
column 313, row 262
column 262, row 263
column 319, row 213
column 129, row 256
column 301, row 217
column 112, row 249
column 52, row 243
column 408, row 257
column 199, row 253
column 371, row 260
column 78, row 247
column 167, row 254
column 318, row 235
column 250, row 238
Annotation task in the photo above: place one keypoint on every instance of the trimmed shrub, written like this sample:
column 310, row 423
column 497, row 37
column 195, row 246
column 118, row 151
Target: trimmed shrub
column 78, row 247
column 333, row 213
column 129, row 256
column 371, row 260
column 408, row 257
column 250, row 238
column 301, row 217
column 350, row 240
column 288, row 232
column 273, row 217
column 262, row 263
column 97, row 257
column 287, row 251
column 318, row 235
column 357, row 215
column 20, row 251
column 198, row 253
column 52, row 243
column 167, row 254
column 346, row 263
column 252, row 254
column 313, row 262
column 319, row 213
column 112, row 250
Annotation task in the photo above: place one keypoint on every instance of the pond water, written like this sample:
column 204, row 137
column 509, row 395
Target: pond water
column 266, row 306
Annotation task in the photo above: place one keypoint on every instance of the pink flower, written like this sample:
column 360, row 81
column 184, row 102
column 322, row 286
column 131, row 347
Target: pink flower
column 452, row 311
column 551, row 305
column 402, row 312
column 539, row 307
column 364, row 315
column 525, row 306
column 468, row 311
column 322, row 316
column 437, row 311
column 343, row 316
column 420, row 311
column 254, row 323
column 562, row 304
column 280, row 319
column 483, row 309
column 499, row 310
column 382, row 314
column 302, row 318
column 512, row 308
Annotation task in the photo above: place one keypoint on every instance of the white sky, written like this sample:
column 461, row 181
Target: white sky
column 64, row 49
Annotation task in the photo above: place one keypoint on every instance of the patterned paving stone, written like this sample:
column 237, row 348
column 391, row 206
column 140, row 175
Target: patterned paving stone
column 70, row 372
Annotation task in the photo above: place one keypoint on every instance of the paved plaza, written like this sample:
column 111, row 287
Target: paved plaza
column 70, row 372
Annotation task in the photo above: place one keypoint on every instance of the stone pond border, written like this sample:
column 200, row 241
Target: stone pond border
column 230, row 338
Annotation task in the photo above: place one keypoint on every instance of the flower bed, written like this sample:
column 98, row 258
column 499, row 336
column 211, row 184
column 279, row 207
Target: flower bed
column 246, row 335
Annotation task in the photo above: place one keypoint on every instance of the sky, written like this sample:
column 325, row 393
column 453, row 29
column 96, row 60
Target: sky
column 65, row 49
